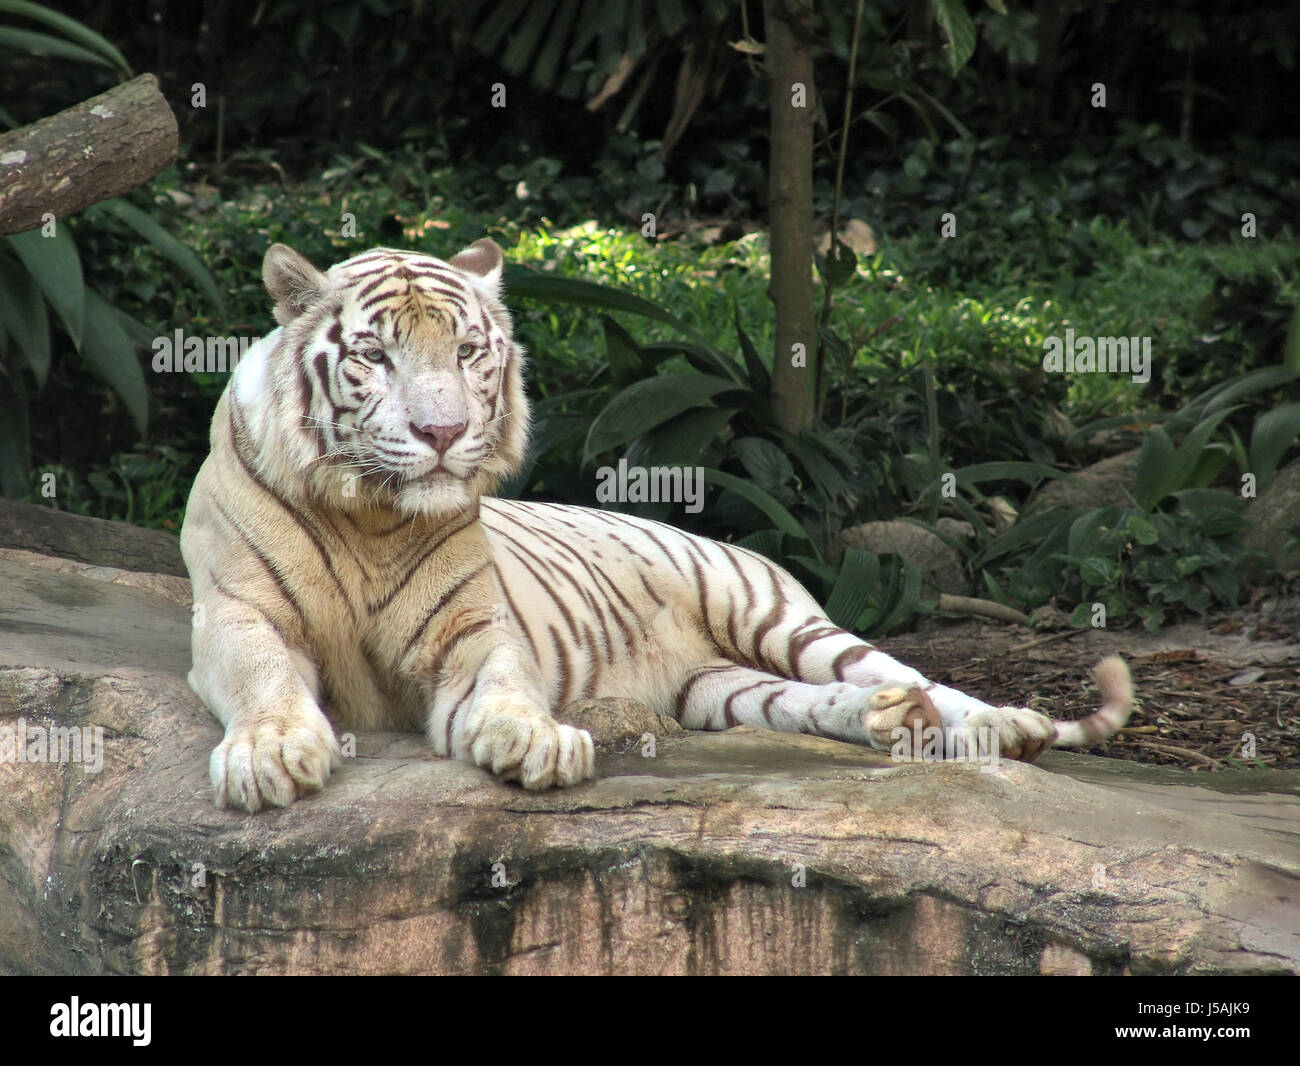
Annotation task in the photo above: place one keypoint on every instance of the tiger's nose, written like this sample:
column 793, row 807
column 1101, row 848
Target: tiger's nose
column 439, row 438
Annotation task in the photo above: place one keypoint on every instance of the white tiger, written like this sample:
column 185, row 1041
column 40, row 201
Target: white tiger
column 348, row 563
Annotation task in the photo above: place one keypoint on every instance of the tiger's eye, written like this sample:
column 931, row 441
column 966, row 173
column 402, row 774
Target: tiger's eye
column 374, row 355
column 464, row 351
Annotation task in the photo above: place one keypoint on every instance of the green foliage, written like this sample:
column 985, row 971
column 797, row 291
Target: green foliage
column 933, row 348
column 68, row 40
column 1142, row 564
column 146, row 487
column 572, row 47
column 44, row 282
column 1176, row 547
column 44, row 277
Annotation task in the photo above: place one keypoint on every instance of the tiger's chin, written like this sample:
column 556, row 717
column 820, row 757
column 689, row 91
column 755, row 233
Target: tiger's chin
column 436, row 498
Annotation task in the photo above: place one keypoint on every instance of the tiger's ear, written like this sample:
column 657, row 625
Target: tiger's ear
column 483, row 261
column 294, row 284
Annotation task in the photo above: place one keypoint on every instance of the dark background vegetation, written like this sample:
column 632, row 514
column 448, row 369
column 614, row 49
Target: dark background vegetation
column 1117, row 221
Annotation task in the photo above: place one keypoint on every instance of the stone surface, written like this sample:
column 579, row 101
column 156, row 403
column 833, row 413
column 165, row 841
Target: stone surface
column 1270, row 516
column 1100, row 485
column 618, row 725
column 738, row 852
column 939, row 564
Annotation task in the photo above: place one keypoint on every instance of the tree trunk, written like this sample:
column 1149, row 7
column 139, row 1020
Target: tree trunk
column 789, row 64
column 96, row 150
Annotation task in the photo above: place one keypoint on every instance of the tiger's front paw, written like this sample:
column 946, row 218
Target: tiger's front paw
column 270, row 762
column 1021, row 734
column 534, row 750
column 895, row 707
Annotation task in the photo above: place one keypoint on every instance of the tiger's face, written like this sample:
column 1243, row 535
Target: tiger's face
column 403, row 374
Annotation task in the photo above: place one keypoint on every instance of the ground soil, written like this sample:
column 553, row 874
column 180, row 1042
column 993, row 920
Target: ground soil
column 1203, row 687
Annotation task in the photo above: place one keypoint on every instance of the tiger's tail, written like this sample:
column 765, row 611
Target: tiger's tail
column 1112, row 677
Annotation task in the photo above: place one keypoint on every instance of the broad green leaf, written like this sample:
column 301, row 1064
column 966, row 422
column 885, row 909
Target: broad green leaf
column 994, row 589
column 139, row 334
column 1214, row 457
column 972, row 516
column 779, row 516
column 1154, row 461
column 1216, row 513
column 1085, row 531
column 526, row 37
column 167, row 245
column 766, row 542
column 960, row 31
column 1275, row 431
column 1222, row 581
column 1009, row 471
column 1097, row 570
column 764, row 461
column 70, row 28
column 808, row 449
column 822, row 570
column 622, row 351
column 649, row 403
column 1143, row 530
column 759, row 378
column 1237, row 449
column 681, row 441
column 548, row 288
column 1140, row 418
column 55, row 267
column 1178, row 474
column 42, row 44
column 1030, row 530
column 705, row 359
column 109, row 350
column 552, row 51
column 24, row 319
column 1229, row 392
column 907, row 601
column 854, row 587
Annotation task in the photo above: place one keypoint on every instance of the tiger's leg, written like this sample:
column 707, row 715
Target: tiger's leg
column 721, row 694
column 489, row 708
column 278, row 744
column 816, row 651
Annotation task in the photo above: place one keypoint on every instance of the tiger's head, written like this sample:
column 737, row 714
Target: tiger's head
column 394, row 381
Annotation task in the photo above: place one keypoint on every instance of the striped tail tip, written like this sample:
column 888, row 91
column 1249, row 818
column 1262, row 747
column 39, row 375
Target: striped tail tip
column 1112, row 677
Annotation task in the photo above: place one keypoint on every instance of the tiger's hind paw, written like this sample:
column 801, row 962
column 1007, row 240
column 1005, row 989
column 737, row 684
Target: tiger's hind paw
column 1022, row 734
column 894, row 707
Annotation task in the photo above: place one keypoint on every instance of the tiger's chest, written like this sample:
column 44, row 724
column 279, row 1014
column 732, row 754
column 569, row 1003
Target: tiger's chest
column 366, row 588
